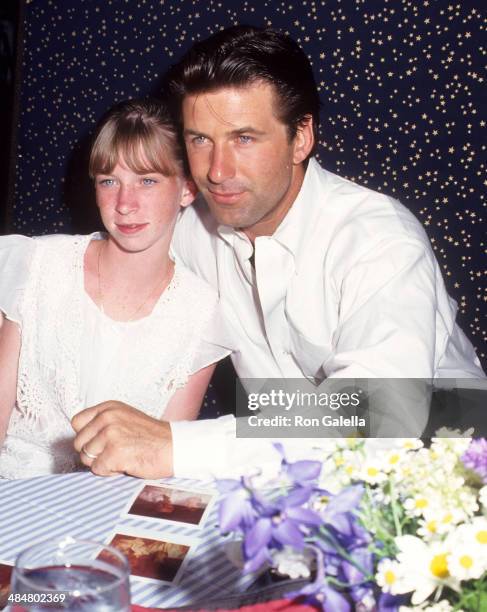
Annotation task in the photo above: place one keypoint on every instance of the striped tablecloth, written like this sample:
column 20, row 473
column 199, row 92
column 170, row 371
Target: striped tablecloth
column 86, row 506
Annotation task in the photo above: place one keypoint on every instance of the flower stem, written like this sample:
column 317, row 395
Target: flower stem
column 392, row 490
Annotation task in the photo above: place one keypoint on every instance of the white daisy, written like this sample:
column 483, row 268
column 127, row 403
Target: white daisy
column 428, row 529
column 372, row 472
column 419, row 505
column 389, row 577
column 472, row 534
column 424, row 566
column 465, row 563
column 394, row 459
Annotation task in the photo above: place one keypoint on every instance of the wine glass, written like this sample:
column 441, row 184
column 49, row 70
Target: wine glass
column 72, row 575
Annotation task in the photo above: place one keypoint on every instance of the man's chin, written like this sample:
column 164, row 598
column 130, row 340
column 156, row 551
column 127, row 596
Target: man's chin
column 229, row 218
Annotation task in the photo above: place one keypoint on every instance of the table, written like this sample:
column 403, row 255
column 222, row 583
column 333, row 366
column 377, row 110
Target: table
column 86, row 506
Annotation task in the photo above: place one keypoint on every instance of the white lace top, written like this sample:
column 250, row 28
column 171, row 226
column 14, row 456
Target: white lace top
column 74, row 356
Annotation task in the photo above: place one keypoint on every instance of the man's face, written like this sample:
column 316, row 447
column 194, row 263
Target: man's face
column 241, row 157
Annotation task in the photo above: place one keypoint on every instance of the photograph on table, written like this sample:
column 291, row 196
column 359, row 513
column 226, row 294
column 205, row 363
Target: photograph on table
column 5, row 577
column 189, row 507
column 153, row 558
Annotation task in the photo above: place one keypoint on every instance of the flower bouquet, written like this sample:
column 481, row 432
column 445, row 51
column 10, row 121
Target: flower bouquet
column 376, row 525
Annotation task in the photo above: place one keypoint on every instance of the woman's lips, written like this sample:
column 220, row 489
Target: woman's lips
column 131, row 228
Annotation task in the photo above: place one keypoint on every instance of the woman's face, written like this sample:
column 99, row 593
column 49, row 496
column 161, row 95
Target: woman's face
column 139, row 210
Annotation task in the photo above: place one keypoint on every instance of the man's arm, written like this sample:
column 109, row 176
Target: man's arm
column 124, row 439
column 113, row 438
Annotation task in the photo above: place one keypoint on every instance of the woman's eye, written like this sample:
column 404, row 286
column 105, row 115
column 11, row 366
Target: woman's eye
column 148, row 181
column 107, row 182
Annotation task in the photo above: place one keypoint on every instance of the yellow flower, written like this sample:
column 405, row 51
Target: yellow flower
column 439, row 566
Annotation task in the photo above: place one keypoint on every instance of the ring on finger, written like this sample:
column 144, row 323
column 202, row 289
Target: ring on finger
column 89, row 455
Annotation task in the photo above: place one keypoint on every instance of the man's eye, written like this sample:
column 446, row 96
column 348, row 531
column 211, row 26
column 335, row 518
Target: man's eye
column 107, row 182
column 148, row 181
column 244, row 139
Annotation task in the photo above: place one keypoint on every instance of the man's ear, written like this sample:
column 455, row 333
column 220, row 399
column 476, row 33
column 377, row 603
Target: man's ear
column 189, row 192
column 304, row 140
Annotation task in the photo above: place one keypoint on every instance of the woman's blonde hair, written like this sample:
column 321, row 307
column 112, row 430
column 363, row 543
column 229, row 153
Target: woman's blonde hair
column 141, row 133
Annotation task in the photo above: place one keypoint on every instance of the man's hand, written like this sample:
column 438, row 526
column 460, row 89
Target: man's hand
column 113, row 438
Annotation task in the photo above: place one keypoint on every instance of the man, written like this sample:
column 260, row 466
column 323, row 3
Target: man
column 322, row 278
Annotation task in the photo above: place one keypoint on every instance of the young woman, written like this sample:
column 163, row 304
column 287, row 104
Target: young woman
column 105, row 316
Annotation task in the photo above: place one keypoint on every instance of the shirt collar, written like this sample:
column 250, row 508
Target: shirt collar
column 290, row 231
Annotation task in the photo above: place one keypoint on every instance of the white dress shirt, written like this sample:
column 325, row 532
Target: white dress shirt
column 347, row 286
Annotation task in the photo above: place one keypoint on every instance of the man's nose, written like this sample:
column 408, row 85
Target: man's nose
column 222, row 165
column 126, row 200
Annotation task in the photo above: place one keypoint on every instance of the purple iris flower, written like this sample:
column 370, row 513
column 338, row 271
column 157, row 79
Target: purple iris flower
column 364, row 559
column 262, row 557
column 340, row 520
column 358, row 577
column 323, row 595
column 348, row 532
column 301, row 473
column 269, row 524
column 236, row 508
column 281, row 523
column 360, row 535
column 345, row 501
column 475, row 458
column 391, row 603
column 354, row 571
column 319, row 592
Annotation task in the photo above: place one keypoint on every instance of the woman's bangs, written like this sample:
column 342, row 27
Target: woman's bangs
column 144, row 155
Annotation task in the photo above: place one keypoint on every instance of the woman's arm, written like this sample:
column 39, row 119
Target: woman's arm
column 185, row 404
column 9, row 361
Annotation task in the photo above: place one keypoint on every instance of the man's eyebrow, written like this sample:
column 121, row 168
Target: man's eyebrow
column 236, row 132
column 248, row 130
column 187, row 132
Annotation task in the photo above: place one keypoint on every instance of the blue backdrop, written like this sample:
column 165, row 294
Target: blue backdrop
column 402, row 85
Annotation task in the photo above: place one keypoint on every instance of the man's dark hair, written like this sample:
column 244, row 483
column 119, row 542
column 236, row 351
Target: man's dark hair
column 242, row 55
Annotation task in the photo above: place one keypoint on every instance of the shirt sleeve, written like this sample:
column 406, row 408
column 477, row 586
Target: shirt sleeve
column 16, row 254
column 211, row 449
column 387, row 322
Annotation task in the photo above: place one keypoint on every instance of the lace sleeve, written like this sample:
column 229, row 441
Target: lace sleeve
column 15, row 257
